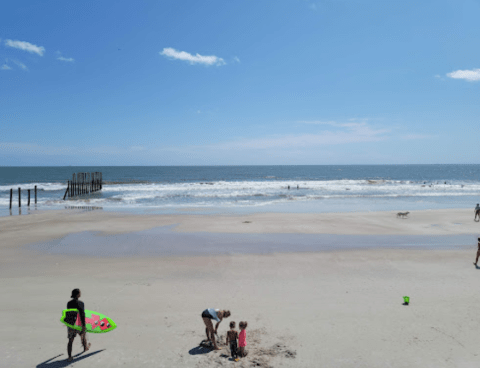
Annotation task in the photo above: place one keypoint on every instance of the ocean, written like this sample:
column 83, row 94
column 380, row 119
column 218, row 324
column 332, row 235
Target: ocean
column 240, row 189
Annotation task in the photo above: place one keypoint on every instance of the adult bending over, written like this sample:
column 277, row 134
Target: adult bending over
column 213, row 314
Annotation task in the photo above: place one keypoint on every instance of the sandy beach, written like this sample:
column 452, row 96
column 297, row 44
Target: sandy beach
column 335, row 308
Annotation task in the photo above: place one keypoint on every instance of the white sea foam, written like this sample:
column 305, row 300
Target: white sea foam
column 243, row 193
column 40, row 186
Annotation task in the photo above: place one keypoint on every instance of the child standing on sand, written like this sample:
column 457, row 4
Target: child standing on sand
column 242, row 339
column 232, row 337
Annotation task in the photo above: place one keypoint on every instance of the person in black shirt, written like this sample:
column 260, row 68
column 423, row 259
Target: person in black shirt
column 71, row 318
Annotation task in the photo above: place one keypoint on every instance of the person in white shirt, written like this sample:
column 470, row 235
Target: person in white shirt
column 213, row 314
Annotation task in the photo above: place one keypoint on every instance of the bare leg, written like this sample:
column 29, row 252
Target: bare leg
column 478, row 255
column 69, row 348
column 210, row 332
column 86, row 345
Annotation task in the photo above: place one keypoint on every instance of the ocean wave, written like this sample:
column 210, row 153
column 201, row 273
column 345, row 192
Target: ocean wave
column 40, row 186
column 242, row 193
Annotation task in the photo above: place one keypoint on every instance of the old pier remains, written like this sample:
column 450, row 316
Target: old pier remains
column 83, row 183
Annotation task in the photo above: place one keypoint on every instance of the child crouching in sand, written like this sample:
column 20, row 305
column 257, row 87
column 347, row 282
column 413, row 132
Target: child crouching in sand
column 242, row 339
column 232, row 337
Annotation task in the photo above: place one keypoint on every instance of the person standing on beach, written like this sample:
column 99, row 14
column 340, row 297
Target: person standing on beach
column 232, row 337
column 71, row 318
column 242, row 339
column 478, row 252
column 477, row 212
column 218, row 315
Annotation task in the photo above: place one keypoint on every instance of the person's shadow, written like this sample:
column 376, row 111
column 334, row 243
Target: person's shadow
column 65, row 363
column 199, row 350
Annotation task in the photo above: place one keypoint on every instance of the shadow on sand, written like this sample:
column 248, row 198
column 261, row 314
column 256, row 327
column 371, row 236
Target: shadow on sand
column 65, row 363
column 199, row 350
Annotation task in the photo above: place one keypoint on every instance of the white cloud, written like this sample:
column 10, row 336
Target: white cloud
column 352, row 124
column 236, row 59
column 137, row 148
column 6, row 67
column 69, row 60
column 25, row 46
column 418, row 136
column 349, row 133
column 192, row 59
column 469, row 75
column 20, row 65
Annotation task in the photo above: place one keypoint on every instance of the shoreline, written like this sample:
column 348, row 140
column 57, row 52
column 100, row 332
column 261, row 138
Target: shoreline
column 434, row 222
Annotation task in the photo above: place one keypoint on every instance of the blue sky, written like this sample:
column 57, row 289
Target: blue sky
column 239, row 82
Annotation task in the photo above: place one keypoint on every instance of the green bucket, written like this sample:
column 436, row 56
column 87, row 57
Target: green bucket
column 406, row 299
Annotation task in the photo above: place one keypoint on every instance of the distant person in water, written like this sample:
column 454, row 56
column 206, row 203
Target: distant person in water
column 478, row 252
column 71, row 318
column 218, row 315
column 477, row 212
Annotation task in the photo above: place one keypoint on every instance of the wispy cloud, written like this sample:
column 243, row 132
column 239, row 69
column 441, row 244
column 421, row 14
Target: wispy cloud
column 25, row 46
column 353, row 123
column 192, row 59
column 5, row 67
column 311, row 4
column 469, row 75
column 69, row 60
column 38, row 149
column 20, row 65
column 418, row 136
column 236, row 59
column 352, row 132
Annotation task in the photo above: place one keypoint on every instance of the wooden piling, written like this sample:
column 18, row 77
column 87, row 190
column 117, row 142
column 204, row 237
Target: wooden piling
column 19, row 198
column 74, row 184
column 11, row 197
column 35, row 194
column 64, row 196
column 28, row 203
column 83, row 183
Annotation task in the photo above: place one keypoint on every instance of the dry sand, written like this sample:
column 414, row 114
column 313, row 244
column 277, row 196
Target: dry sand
column 321, row 309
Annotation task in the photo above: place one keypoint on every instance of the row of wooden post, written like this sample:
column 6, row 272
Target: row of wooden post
column 83, row 183
column 20, row 197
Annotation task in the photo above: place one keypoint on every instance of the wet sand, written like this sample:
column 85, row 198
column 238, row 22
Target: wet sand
column 335, row 308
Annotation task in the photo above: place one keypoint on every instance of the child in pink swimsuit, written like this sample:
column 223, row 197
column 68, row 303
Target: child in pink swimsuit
column 242, row 339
